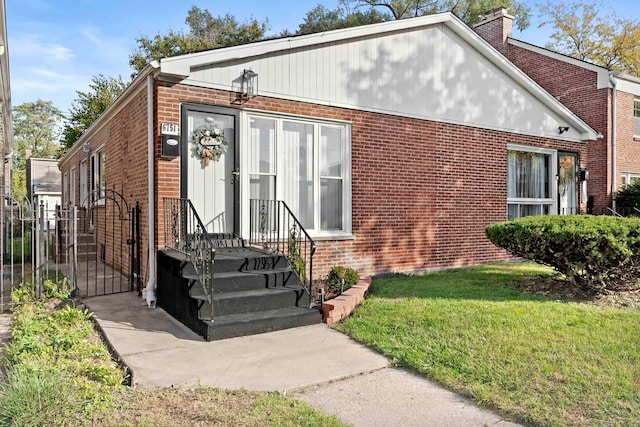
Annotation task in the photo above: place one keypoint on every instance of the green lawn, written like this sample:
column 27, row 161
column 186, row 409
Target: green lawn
column 542, row 361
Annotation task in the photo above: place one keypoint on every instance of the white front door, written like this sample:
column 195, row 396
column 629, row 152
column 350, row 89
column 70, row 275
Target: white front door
column 211, row 182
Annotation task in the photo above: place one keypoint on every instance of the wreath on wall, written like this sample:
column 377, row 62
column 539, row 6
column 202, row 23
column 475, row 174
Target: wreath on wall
column 210, row 143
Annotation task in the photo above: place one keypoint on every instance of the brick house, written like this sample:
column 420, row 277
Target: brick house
column 394, row 144
column 608, row 101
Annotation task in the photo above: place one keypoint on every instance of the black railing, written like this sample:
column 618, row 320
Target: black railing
column 623, row 211
column 185, row 233
column 274, row 227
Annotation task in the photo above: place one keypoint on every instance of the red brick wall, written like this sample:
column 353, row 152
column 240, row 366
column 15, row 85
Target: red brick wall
column 124, row 138
column 423, row 191
column 576, row 88
column 628, row 147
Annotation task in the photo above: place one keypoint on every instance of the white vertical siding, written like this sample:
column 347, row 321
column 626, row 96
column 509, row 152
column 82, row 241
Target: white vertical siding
column 427, row 72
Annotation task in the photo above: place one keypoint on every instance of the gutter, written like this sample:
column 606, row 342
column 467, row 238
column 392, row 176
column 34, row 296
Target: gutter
column 614, row 163
column 150, row 295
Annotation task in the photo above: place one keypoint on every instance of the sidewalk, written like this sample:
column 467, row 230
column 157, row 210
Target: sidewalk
column 315, row 363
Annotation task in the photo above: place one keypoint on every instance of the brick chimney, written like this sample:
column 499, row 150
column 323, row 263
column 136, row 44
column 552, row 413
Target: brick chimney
column 495, row 27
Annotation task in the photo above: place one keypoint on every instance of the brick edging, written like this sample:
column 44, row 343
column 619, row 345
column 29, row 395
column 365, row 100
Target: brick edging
column 341, row 307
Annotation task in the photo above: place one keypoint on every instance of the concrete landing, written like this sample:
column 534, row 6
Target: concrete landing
column 163, row 352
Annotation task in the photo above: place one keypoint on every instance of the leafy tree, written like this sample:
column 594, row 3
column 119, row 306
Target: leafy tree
column 86, row 108
column 469, row 11
column 36, row 128
column 584, row 31
column 321, row 19
column 205, row 32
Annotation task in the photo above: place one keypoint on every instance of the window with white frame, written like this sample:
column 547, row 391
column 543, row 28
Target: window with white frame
column 83, row 183
column 97, row 177
column 65, row 189
column 72, row 186
column 636, row 117
column 629, row 178
column 306, row 164
column 530, row 185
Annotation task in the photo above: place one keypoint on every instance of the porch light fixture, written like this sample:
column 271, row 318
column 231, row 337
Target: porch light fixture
column 249, row 88
column 563, row 129
column 86, row 147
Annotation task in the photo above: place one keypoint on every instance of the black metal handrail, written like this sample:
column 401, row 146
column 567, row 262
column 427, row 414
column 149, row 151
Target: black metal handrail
column 185, row 233
column 274, row 227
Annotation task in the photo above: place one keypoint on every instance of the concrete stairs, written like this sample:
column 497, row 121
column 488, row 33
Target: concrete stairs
column 254, row 292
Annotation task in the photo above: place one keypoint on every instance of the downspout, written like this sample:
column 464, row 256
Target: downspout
column 151, row 284
column 614, row 163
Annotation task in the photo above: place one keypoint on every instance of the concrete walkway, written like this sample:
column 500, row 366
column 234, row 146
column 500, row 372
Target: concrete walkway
column 315, row 363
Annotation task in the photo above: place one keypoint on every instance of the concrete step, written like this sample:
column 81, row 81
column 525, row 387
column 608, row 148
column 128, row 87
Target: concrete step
column 245, row 280
column 237, row 325
column 253, row 301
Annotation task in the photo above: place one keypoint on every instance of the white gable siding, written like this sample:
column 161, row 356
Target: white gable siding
column 427, row 72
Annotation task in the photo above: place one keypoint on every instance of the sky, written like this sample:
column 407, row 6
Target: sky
column 57, row 46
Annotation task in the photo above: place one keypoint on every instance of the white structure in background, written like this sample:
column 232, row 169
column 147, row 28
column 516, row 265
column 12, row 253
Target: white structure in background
column 44, row 186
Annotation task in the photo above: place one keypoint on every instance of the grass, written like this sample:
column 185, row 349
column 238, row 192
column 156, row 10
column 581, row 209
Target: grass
column 60, row 373
column 542, row 361
column 207, row 406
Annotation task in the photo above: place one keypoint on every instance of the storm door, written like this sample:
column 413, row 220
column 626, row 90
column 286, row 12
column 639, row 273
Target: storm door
column 209, row 168
column 568, row 184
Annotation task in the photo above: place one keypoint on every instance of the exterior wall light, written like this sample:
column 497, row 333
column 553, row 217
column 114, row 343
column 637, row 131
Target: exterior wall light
column 86, row 147
column 249, row 88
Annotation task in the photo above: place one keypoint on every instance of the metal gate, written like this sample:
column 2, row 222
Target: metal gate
column 106, row 246
column 97, row 248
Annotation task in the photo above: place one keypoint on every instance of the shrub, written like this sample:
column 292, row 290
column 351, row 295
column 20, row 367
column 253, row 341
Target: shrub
column 595, row 253
column 629, row 196
column 342, row 278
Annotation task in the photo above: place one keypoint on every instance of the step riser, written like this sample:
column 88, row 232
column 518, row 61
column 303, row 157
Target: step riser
column 219, row 332
column 241, row 264
column 249, row 304
column 246, row 282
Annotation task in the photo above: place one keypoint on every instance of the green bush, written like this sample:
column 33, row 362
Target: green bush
column 342, row 278
column 57, row 370
column 629, row 197
column 595, row 253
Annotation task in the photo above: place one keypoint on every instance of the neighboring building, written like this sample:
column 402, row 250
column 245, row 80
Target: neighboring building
column 395, row 144
column 44, row 185
column 608, row 101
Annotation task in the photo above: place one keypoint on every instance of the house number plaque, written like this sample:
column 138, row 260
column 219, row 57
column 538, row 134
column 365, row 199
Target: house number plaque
column 170, row 129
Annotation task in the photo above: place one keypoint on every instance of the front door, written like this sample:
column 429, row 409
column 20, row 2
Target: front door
column 209, row 165
column 568, row 183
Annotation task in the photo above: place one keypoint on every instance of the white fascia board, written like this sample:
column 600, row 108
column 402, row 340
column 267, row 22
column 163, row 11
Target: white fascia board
column 603, row 73
column 627, row 83
column 182, row 65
